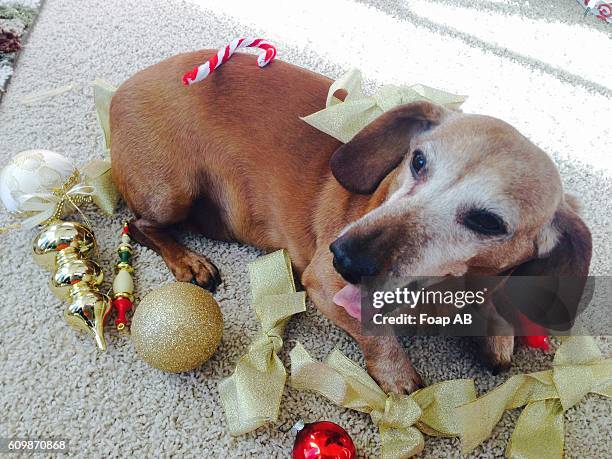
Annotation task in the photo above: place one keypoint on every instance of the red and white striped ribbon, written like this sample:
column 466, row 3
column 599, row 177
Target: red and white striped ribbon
column 202, row 71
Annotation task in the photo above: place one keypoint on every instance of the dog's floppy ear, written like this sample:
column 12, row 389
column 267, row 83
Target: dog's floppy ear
column 362, row 163
column 559, row 292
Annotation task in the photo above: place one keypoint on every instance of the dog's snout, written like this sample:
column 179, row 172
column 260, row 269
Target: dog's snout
column 353, row 259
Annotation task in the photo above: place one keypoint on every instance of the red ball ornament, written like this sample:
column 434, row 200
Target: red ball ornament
column 537, row 342
column 534, row 334
column 323, row 440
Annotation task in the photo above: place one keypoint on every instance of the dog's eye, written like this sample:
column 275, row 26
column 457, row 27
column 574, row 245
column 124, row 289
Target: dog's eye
column 484, row 222
column 418, row 162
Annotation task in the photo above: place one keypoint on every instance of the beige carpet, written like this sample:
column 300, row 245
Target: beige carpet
column 547, row 76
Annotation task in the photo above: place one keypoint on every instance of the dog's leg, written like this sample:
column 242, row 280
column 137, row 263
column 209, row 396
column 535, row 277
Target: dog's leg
column 187, row 266
column 386, row 359
column 496, row 351
column 388, row 363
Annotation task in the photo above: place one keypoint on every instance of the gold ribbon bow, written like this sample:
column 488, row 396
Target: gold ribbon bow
column 342, row 120
column 400, row 418
column 94, row 184
column 251, row 395
column 578, row 368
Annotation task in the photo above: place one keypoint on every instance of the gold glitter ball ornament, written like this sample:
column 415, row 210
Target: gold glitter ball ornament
column 177, row 327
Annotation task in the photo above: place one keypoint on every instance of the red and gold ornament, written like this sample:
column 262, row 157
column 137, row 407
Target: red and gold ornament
column 123, row 285
column 322, row 440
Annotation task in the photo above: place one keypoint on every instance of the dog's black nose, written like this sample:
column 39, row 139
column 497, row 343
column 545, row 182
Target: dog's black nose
column 352, row 260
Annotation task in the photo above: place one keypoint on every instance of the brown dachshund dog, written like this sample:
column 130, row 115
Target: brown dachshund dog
column 422, row 190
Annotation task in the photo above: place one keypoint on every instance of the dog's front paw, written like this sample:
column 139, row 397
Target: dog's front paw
column 394, row 375
column 195, row 268
column 496, row 352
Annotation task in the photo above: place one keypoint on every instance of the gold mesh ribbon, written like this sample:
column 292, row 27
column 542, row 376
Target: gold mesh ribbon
column 98, row 172
column 342, row 120
column 578, row 369
column 103, row 93
column 401, row 419
column 251, row 395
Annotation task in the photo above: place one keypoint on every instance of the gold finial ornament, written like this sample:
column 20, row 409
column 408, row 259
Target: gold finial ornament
column 59, row 235
column 64, row 248
column 87, row 310
column 71, row 269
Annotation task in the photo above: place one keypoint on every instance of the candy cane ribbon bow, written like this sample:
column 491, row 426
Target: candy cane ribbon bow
column 578, row 369
column 400, row 418
column 251, row 395
column 343, row 119
column 200, row 72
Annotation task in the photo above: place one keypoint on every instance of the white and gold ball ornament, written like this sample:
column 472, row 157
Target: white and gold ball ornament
column 40, row 186
column 177, row 327
column 31, row 177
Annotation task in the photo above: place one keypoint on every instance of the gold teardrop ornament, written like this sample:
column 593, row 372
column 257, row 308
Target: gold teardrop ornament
column 87, row 311
column 73, row 272
column 58, row 236
column 64, row 248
